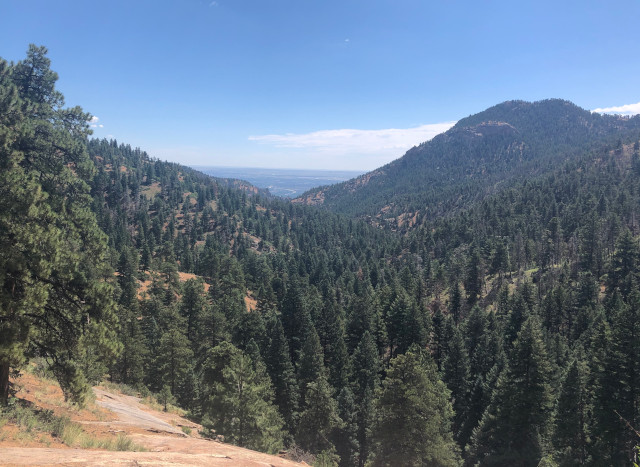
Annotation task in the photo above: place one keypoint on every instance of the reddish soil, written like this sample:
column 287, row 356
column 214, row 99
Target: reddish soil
column 160, row 433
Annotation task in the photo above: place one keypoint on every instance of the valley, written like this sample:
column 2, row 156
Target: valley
column 474, row 302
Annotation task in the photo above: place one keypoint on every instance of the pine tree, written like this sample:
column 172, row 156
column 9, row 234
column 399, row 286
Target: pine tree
column 127, row 277
column 455, row 303
column 487, row 360
column 413, row 419
column 346, row 437
column 192, row 305
column 311, row 362
column 366, row 315
column 520, row 311
column 616, row 378
column 438, row 340
column 590, row 249
column 174, row 359
column 515, row 424
column 282, row 373
column 407, row 324
column 165, row 397
column 319, row 417
column 213, row 330
column 570, row 431
column 240, row 404
column 500, row 261
column 296, row 319
column 456, row 377
column 366, row 379
column 473, row 278
column 476, row 335
column 624, row 263
column 417, row 328
column 331, row 331
column 250, row 326
column 626, row 352
column 129, row 367
column 54, row 276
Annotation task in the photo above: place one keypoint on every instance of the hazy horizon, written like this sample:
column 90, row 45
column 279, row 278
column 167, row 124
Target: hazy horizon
column 287, row 183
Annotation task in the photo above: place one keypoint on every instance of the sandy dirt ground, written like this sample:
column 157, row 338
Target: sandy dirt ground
column 160, row 433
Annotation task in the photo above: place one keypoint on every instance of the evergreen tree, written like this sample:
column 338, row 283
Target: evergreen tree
column 213, row 330
column 413, row 420
column 514, row 425
column 127, row 277
column 408, row 324
column 624, row 263
column 331, row 331
column 311, row 362
column 346, row 437
column 520, row 311
column 616, row 376
column 319, row 417
column 174, row 359
column 366, row 376
column 54, row 276
column 570, row 431
column 456, row 377
column 282, row 373
column 438, row 340
column 500, row 261
column 455, row 303
column 129, row 367
column 626, row 353
column 240, row 405
column 192, row 305
column 296, row 319
column 473, row 278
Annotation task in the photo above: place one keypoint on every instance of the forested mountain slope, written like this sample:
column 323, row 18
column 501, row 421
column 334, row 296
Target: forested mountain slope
column 478, row 156
column 538, row 274
column 502, row 331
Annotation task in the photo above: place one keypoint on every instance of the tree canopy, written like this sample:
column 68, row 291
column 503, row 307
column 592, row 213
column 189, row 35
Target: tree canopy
column 56, row 297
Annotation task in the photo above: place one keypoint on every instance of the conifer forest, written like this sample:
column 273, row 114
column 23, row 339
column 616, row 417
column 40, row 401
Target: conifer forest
column 473, row 303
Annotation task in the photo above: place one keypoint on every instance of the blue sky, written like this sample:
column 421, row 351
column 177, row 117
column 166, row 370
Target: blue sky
column 344, row 84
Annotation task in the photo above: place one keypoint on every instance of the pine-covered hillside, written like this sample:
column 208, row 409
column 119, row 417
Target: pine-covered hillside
column 478, row 156
column 502, row 329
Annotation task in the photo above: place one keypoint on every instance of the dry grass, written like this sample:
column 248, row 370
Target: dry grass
column 39, row 416
column 151, row 191
column 152, row 402
column 27, row 424
column 121, row 388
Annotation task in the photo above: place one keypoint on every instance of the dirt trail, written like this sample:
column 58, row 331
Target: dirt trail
column 158, row 432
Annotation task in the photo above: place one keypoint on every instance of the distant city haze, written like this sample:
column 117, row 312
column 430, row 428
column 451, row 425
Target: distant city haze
column 287, row 183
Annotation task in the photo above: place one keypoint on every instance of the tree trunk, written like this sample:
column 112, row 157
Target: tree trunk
column 4, row 383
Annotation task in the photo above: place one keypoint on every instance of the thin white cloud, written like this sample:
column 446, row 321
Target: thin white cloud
column 346, row 149
column 93, row 122
column 350, row 141
column 628, row 109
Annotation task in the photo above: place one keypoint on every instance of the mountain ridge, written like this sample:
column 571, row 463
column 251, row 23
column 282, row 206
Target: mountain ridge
column 510, row 140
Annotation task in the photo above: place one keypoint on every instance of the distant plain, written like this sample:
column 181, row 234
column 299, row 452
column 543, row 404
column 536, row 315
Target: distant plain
column 287, row 183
